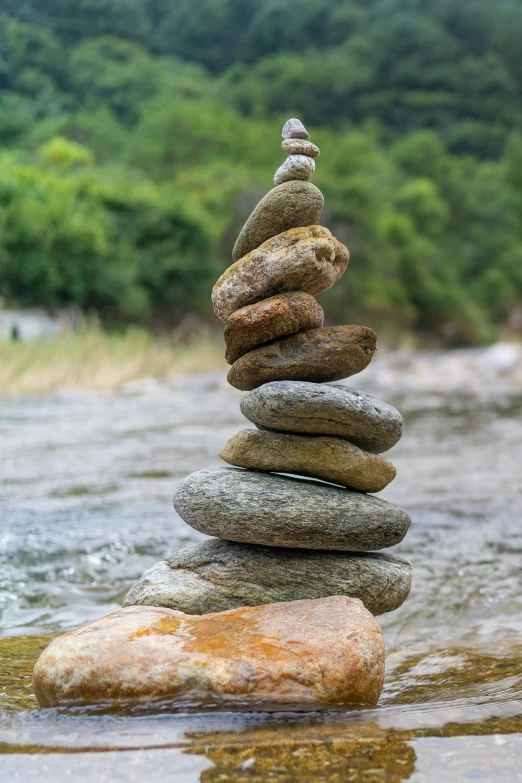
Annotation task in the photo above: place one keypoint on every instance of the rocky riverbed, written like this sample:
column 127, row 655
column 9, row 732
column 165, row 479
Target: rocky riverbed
column 86, row 483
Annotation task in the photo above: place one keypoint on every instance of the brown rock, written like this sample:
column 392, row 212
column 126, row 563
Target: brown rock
column 305, row 259
column 329, row 650
column 330, row 459
column 300, row 147
column 319, row 355
column 289, row 205
column 262, row 322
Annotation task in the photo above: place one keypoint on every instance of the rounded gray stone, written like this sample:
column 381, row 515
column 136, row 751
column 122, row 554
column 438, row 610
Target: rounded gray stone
column 290, row 205
column 295, row 167
column 294, row 129
column 216, row 575
column 272, row 510
column 313, row 409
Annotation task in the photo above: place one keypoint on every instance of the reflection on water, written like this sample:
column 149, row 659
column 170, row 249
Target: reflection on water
column 86, row 491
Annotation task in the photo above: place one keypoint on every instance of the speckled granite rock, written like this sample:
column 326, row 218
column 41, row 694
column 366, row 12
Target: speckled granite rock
column 309, row 408
column 322, row 457
column 216, row 575
column 328, row 650
column 319, row 355
column 305, row 259
column 300, row 147
column 261, row 508
column 295, row 167
column 289, row 205
column 262, row 322
column 294, row 129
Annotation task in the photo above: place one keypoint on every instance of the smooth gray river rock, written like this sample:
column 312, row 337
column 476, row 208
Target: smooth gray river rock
column 296, row 166
column 217, row 575
column 313, row 409
column 261, row 508
column 294, row 129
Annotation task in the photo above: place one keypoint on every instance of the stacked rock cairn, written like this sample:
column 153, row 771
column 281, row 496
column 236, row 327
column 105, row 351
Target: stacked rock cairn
column 278, row 537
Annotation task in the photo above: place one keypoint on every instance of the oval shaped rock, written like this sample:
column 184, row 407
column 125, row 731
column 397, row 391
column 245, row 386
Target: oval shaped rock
column 295, row 167
column 307, row 408
column 329, row 650
column 300, row 147
column 216, row 575
column 319, row 355
column 259, row 508
column 286, row 206
column 294, row 129
column 305, row 259
column 326, row 458
column 262, row 322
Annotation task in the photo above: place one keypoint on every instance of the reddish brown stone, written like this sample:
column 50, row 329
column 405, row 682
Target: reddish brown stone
column 265, row 321
column 319, row 355
column 328, row 649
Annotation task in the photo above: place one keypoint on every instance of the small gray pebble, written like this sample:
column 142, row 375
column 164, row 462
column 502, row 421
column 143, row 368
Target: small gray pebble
column 295, row 167
column 294, row 129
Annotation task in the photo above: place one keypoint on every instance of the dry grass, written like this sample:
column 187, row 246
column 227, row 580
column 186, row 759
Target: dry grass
column 94, row 359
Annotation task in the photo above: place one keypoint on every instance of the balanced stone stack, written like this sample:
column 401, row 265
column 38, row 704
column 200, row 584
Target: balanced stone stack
column 270, row 606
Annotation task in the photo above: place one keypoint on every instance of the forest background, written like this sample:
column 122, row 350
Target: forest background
column 137, row 135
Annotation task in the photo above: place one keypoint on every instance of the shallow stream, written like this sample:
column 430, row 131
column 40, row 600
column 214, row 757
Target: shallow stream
column 86, row 486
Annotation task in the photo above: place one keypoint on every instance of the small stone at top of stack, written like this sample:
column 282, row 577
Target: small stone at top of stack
column 300, row 163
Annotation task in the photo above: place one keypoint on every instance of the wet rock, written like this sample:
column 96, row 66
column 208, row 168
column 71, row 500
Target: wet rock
column 300, row 147
column 311, row 409
column 326, row 458
column 319, row 355
column 294, row 129
column 216, row 575
column 289, row 205
column 328, row 650
column 305, row 259
column 295, row 167
column 260, row 508
column 262, row 322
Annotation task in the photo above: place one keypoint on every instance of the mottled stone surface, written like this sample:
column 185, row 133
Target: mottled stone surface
column 322, row 457
column 273, row 510
column 289, row 205
column 262, row 322
column 300, row 147
column 328, row 650
column 319, row 355
column 295, row 167
column 305, row 259
column 294, row 129
column 216, row 575
column 311, row 409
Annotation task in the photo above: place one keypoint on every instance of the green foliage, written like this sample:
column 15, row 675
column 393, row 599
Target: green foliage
column 137, row 135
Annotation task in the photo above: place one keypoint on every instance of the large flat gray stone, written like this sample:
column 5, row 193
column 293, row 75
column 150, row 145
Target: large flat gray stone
column 261, row 508
column 217, row 575
column 311, row 409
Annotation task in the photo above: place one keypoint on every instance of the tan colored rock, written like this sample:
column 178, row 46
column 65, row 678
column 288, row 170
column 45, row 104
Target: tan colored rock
column 305, row 259
column 265, row 321
column 330, row 459
column 286, row 206
column 319, row 355
column 300, row 147
column 329, row 650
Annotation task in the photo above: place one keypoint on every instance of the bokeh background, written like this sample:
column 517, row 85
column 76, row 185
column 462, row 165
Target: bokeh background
column 137, row 135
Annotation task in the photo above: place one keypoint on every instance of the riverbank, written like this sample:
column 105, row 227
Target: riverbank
column 91, row 358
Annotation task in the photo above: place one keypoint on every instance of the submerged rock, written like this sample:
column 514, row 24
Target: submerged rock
column 319, row 355
column 322, row 457
column 295, row 167
column 328, row 650
column 305, row 259
column 217, row 575
column 289, row 205
column 311, row 409
column 265, row 321
column 260, row 508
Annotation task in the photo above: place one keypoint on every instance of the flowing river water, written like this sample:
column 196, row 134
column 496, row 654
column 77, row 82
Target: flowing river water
column 86, row 487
